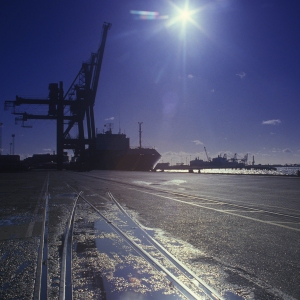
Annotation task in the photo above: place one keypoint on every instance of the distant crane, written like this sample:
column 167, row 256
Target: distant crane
column 234, row 159
column 245, row 159
column 1, row 125
column 13, row 143
column 72, row 108
column 140, row 134
column 208, row 158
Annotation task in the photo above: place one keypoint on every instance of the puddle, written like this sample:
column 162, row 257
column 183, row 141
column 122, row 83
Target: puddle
column 127, row 275
column 123, row 259
column 15, row 220
column 82, row 247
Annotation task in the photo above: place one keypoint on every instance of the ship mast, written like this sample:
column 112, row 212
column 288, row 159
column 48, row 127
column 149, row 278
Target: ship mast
column 140, row 134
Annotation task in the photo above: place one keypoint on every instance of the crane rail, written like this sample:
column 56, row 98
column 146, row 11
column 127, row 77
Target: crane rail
column 192, row 287
column 65, row 288
column 40, row 288
column 209, row 291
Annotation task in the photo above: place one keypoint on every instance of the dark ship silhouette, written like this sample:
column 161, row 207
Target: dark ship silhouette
column 113, row 152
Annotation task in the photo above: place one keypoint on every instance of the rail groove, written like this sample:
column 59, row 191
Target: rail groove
column 199, row 290
column 209, row 291
column 65, row 288
column 40, row 288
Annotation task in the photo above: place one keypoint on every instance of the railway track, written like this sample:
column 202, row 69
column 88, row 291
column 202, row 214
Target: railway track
column 207, row 290
column 191, row 287
column 40, row 289
column 121, row 223
column 177, row 275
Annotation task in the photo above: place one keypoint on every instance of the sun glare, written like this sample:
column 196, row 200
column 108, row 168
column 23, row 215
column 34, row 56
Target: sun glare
column 184, row 15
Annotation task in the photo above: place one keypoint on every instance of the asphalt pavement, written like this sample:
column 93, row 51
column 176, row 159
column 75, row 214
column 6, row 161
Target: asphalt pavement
column 247, row 228
column 240, row 234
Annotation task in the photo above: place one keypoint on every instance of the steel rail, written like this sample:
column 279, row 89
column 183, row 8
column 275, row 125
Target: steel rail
column 186, row 291
column 209, row 291
column 40, row 287
column 67, row 253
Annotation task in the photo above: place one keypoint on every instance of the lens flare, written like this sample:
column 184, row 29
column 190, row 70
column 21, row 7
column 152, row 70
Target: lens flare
column 147, row 15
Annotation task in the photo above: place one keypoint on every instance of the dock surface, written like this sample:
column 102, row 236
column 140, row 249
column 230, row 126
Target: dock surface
column 239, row 236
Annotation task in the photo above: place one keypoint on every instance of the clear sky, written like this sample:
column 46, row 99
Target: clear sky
column 227, row 77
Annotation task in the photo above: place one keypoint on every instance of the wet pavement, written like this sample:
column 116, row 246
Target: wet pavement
column 239, row 235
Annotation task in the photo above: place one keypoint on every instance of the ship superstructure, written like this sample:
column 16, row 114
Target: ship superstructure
column 113, row 152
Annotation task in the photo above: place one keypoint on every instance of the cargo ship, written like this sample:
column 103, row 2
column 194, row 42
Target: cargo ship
column 220, row 161
column 113, row 152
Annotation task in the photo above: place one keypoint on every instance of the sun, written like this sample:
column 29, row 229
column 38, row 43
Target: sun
column 184, row 15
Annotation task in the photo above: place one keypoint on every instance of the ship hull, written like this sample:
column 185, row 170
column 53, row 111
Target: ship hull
column 140, row 159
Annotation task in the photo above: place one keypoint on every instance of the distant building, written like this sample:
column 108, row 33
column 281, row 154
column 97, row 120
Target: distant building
column 10, row 163
column 44, row 160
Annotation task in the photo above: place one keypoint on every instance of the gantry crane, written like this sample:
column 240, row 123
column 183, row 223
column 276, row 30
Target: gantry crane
column 71, row 108
column 208, row 158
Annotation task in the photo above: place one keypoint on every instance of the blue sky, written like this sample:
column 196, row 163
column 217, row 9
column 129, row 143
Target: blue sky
column 227, row 79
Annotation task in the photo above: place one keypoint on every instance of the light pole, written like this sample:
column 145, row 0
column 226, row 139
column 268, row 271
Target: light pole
column 1, row 124
column 13, row 143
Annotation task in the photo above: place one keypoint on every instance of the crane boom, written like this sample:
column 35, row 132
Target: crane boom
column 75, row 106
column 208, row 158
column 98, row 62
column 83, row 92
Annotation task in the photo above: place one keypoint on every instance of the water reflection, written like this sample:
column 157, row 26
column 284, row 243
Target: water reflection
column 126, row 275
column 281, row 171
